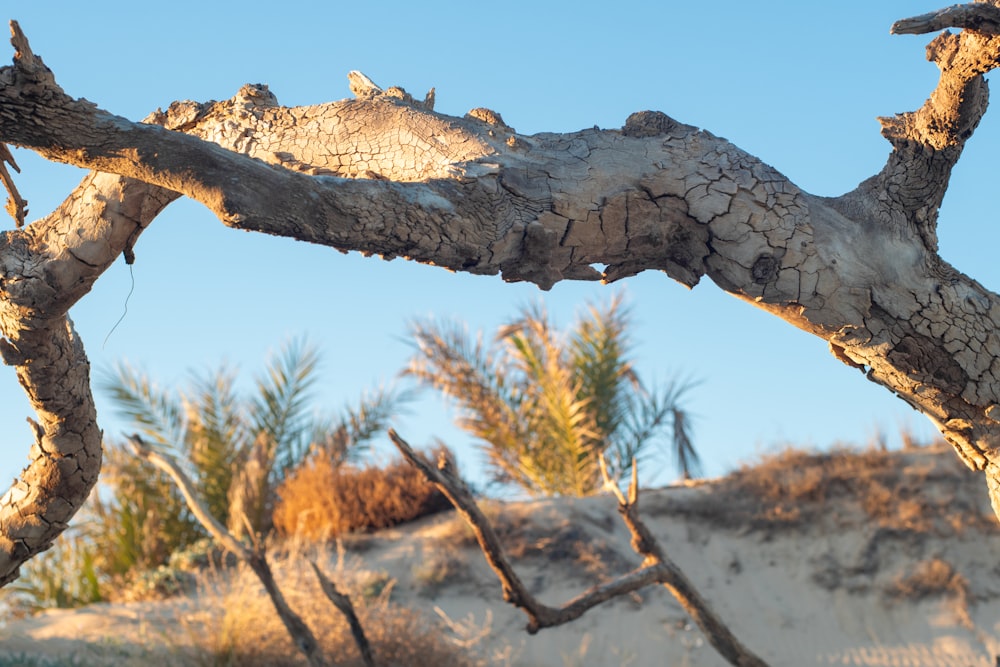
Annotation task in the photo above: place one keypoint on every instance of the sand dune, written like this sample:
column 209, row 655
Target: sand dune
column 889, row 560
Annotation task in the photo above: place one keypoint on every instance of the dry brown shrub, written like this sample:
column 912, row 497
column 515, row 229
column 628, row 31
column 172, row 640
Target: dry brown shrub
column 931, row 579
column 321, row 499
column 929, row 492
column 439, row 569
column 524, row 537
column 791, row 487
column 508, row 525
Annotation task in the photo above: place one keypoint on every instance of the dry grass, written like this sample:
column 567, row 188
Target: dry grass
column 566, row 543
column 796, row 488
column 322, row 500
column 507, row 523
column 929, row 578
column 440, row 569
column 933, row 578
column 239, row 626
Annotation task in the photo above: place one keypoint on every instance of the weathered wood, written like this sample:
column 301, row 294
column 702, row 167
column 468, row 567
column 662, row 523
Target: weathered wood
column 385, row 174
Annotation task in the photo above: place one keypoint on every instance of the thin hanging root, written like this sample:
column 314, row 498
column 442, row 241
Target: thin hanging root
column 16, row 206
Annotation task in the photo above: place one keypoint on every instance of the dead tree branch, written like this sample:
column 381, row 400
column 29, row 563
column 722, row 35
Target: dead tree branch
column 301, row 634
column 343, row 603
column 978, row 17
column 17, row 206
column 384, row 174
column 655, row 569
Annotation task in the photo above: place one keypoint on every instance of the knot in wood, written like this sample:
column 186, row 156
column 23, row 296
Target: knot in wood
column 399, row 93
column 257, row 94
column 648, row 124
column 943, row 49
column 488, row 116
column 178, row 116
column 765, row 269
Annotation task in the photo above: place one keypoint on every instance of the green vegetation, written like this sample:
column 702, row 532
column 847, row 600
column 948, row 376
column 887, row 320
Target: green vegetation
column 274, row 474
column 136, row 533
column 545, row 405
column 68, row 580
column 240, row 449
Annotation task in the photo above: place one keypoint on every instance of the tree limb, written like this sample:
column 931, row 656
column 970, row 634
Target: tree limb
column 343, row 603
column 927, row 143
column 384, row 174
column 656, row 569
column 66, row 455
column 300, row 633
column 978, row 17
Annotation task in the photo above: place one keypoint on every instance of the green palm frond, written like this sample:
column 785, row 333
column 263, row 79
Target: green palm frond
column 547, row 405
column 278, row 411
column 647, row 416
column 466, row 373
column 652, row 418
column 216, row 437
column 156, row 413
column 561, row 457
column 686, row 455
column 597, row 347
column 349, row 436
column 236, row 449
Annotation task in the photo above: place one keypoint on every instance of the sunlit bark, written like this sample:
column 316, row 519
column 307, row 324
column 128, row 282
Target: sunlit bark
column 384, row 174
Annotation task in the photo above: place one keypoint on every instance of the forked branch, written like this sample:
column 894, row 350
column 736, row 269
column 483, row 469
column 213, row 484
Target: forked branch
column 303, row 637
column 655, row 569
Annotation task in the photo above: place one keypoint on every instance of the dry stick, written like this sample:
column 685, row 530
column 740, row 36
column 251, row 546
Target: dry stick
column 303, row 637
column 673, row 579
column 978, row 17
column 343, row 603
column 17, row 206
column 655, row 569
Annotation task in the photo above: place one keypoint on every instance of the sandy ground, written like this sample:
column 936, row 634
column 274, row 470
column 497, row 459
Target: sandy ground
column 814, row 595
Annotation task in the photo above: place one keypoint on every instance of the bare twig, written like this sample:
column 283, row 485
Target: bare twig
column 978, row 17
column 303, row 637
column 673, row 579
column 24, row 58
column 343, row 603
column 655, row 569
column 17, row 206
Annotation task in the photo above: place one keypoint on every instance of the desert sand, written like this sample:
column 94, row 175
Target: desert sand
column 831, row 578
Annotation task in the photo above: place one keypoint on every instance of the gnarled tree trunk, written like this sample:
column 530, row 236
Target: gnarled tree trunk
column 384, row 174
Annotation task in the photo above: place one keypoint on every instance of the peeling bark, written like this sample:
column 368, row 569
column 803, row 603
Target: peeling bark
column 384, row 174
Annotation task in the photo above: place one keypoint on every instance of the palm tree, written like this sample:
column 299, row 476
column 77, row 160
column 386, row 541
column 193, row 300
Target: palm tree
column 545, row 406
column 237, row 449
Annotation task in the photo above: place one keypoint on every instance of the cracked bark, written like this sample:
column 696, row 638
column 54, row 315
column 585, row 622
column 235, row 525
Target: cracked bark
column 384, row 174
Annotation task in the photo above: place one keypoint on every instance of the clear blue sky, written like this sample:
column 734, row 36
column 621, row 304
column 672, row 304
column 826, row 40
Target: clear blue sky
column 797, row 84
